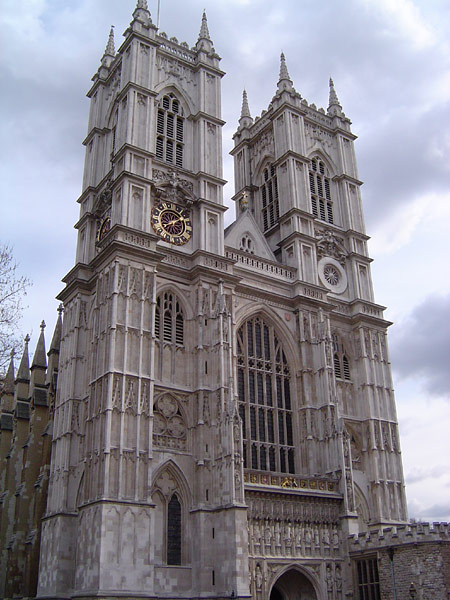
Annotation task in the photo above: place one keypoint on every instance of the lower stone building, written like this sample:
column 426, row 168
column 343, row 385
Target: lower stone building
column 224, row 423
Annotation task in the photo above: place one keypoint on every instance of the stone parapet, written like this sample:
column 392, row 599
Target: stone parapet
column 399, row 535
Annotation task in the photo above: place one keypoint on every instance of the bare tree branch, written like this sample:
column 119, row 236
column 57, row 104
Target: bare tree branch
column 13, row 289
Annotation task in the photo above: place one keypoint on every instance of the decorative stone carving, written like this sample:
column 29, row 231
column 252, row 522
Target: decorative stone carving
column 169, row 428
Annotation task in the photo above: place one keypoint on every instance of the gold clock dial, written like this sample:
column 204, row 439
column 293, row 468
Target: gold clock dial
column 172, row 223
column 105, row 226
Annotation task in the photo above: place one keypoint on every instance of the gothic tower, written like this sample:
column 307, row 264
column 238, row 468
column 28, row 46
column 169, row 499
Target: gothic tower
column 146, row 482
column 224, row 416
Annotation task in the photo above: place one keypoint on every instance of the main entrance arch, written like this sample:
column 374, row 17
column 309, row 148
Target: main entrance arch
column 293, row 585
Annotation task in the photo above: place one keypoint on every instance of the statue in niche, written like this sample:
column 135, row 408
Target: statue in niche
column 329, row 582
column 258, row 577
column 338, row 580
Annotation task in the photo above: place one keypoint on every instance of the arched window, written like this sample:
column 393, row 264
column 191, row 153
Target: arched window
column 264, row 399
column 340, row 360
column 170, row 131
column 174, row 531
column 269, row 197
column 169, row 320
column 320, row 186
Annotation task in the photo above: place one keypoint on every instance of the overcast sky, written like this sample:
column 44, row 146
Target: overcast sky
column 390, row 63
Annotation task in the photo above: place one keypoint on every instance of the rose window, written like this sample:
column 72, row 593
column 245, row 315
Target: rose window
column 331, row 274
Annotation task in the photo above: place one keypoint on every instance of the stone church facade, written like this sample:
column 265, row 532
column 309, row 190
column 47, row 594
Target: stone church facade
column 224, row 424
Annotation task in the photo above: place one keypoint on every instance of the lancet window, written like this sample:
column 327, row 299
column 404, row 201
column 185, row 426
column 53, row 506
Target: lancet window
column 264, row 392
column 340, row 360
column 269, row 197
column 320, row 188
column 170, row 131
column 174, row 517
column 169, row 319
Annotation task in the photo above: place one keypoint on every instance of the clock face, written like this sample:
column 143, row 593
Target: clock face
column 172, row 223
column 105, row 226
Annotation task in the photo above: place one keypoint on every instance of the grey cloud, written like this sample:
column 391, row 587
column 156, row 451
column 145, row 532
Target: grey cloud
column 420, row 346
column 421, row 473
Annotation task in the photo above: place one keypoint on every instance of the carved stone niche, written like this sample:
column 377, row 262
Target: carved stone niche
column 169, row 425
column 170, row 187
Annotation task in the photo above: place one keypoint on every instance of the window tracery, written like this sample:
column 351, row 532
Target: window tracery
column 264, row 399
column 170, row 131
column 320, row 188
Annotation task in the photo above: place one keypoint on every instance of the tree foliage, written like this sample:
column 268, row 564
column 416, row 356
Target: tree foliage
column 13, row 289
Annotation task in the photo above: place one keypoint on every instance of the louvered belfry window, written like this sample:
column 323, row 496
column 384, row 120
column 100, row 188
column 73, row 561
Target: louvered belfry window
column 340, row 360
column 269, row 197
column 170, row 131
column 320, row 188
column 169, row 319
column 265, row 399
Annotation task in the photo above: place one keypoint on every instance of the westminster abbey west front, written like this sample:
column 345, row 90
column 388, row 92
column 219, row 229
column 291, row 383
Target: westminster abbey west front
column 224, row 424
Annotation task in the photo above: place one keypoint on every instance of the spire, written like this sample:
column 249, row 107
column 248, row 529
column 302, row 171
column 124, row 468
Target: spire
column 24, row 367
column 334, row 106
column 204, row 32
column 245, row 111
column 40, row 358
column 110, row 52
column 56, row 339
column 8, row 384
column 204, row 41
column 245, row 119
column 110, row 49
column 285, row 82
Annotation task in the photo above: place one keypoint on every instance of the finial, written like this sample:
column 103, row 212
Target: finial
column 284, row 74
column 8, row 382
column 40, row 357
column 110, row 49
column 23, row 372
column 43, row 325
column 285, row 82
column 60, row 309
column 245, row 120
column 334, row 106
column 245, row 111
column 204, row 32
column 142, row 4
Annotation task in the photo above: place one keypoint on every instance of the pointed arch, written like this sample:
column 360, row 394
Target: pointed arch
column 296, row 576
column 179, row 482
column 317, row 150
column 172, row 498
column 258, row 308
column 188, row 104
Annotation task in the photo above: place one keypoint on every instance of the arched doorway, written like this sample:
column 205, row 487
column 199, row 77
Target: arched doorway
column 293, row 585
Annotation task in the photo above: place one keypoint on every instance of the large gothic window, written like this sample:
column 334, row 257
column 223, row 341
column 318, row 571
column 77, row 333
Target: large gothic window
column 269, row 196
column 170, row 131
column 169, row 321
column 320, row 186
column 264, row 399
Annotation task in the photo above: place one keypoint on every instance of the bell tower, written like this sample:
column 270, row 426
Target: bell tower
column 298, row 205
column 146, row 482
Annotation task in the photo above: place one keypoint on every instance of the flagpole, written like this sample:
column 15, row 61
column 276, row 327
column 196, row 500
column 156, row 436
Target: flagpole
column 157, row 14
